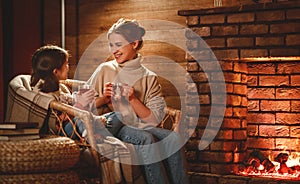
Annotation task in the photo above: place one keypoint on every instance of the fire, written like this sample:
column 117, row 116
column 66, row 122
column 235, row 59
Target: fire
column 283, row 166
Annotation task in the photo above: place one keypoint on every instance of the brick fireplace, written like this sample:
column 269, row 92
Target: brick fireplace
column 258, row 49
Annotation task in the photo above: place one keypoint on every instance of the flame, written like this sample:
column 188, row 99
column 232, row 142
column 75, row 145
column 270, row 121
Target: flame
column 293, row 160
column 261, row 167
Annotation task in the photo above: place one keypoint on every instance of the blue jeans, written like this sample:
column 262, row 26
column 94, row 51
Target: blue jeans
column 113, row 119
column 69, row 129
column 170, row 170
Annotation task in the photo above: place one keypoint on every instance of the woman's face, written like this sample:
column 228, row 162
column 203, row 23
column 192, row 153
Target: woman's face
column 62, row 73
column 121, row 48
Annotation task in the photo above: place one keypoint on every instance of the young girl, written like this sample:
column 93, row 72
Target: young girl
column 49, row 66
column 141, row 104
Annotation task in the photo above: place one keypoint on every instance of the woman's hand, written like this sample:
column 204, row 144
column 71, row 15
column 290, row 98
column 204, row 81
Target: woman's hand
column 128, row 92
column 107, row 95
column 108, row 92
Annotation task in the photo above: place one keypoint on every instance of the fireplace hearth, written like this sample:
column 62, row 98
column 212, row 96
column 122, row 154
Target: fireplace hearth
column 209, row 178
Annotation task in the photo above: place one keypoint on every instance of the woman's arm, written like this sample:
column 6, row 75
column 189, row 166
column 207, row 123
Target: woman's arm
column 139, row 108
column 151, row 111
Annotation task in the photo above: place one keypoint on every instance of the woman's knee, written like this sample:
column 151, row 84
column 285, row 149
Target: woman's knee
column 147, row 138
column 135, row 136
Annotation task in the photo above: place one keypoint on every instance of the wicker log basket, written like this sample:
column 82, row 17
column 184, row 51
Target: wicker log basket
column 49, row 154
column 67, row 177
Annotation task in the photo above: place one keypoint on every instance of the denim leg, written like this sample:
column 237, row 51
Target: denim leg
column 175, row 163
column 154, row 172
column 79, row 126
column 69, row 129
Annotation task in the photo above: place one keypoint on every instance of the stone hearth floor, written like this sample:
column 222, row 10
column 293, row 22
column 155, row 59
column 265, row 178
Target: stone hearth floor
column 208, row 178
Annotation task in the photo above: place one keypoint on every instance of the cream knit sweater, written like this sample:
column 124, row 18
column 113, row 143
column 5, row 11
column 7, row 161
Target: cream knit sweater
column 145, row 84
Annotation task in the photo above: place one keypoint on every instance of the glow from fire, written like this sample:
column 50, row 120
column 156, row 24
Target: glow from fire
column 287, row 170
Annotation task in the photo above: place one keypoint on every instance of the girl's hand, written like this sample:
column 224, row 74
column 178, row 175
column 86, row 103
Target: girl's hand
column 84, row 99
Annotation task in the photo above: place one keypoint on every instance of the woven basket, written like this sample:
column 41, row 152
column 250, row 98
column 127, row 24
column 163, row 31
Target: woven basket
column 42, row 178
column 49, row 154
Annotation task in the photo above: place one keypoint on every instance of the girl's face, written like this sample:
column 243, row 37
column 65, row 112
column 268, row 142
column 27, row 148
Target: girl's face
column 121, row 48
column 62, row 73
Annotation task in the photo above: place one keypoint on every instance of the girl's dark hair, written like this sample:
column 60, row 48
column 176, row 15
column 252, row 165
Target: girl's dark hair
column 44, row 61
column 129, row 29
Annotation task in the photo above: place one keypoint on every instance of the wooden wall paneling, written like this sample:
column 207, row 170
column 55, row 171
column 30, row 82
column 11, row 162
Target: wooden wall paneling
column 21, row 36
column 27, row 34
column 52, row 28
column 2, row 109
column 71, row 37
column 52, row 22
column 7, row 35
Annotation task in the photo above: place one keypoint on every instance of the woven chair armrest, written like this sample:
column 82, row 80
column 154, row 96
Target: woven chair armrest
column 85, row 116
column 68, row 109
column 171, row 120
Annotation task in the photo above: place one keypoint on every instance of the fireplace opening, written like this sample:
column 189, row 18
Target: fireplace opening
column 273, row 120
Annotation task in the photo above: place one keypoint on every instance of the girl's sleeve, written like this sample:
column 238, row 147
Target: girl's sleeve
column 65, row 95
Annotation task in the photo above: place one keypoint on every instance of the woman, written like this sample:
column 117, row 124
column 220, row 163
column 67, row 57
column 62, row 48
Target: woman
column 49, row 66
column 139, row 101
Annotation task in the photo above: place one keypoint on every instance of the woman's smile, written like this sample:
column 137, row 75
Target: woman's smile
column 121, row 49
column 117, row 55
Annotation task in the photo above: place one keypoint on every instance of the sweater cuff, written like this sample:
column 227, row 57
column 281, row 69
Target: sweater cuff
column 150, row 120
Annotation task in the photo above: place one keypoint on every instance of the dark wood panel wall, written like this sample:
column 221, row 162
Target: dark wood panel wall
column 32, row 23
column 21, row 21
column 1, row 63
column 96, row 17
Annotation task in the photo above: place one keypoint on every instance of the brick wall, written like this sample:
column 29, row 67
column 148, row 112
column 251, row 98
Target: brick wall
column 262, row 107
column 228, row 148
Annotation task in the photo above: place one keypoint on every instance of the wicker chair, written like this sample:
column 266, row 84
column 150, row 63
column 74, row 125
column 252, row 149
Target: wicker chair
column 170, row 121
column 110, row 170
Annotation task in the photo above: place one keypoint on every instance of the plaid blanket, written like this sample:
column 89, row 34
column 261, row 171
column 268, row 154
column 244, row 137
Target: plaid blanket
column 26, row 105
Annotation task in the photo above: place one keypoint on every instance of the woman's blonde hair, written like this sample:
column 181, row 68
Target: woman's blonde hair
column 129, row 29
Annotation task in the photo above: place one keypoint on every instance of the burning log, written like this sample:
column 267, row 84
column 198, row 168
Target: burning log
column 282, row 158
column 258, row 162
